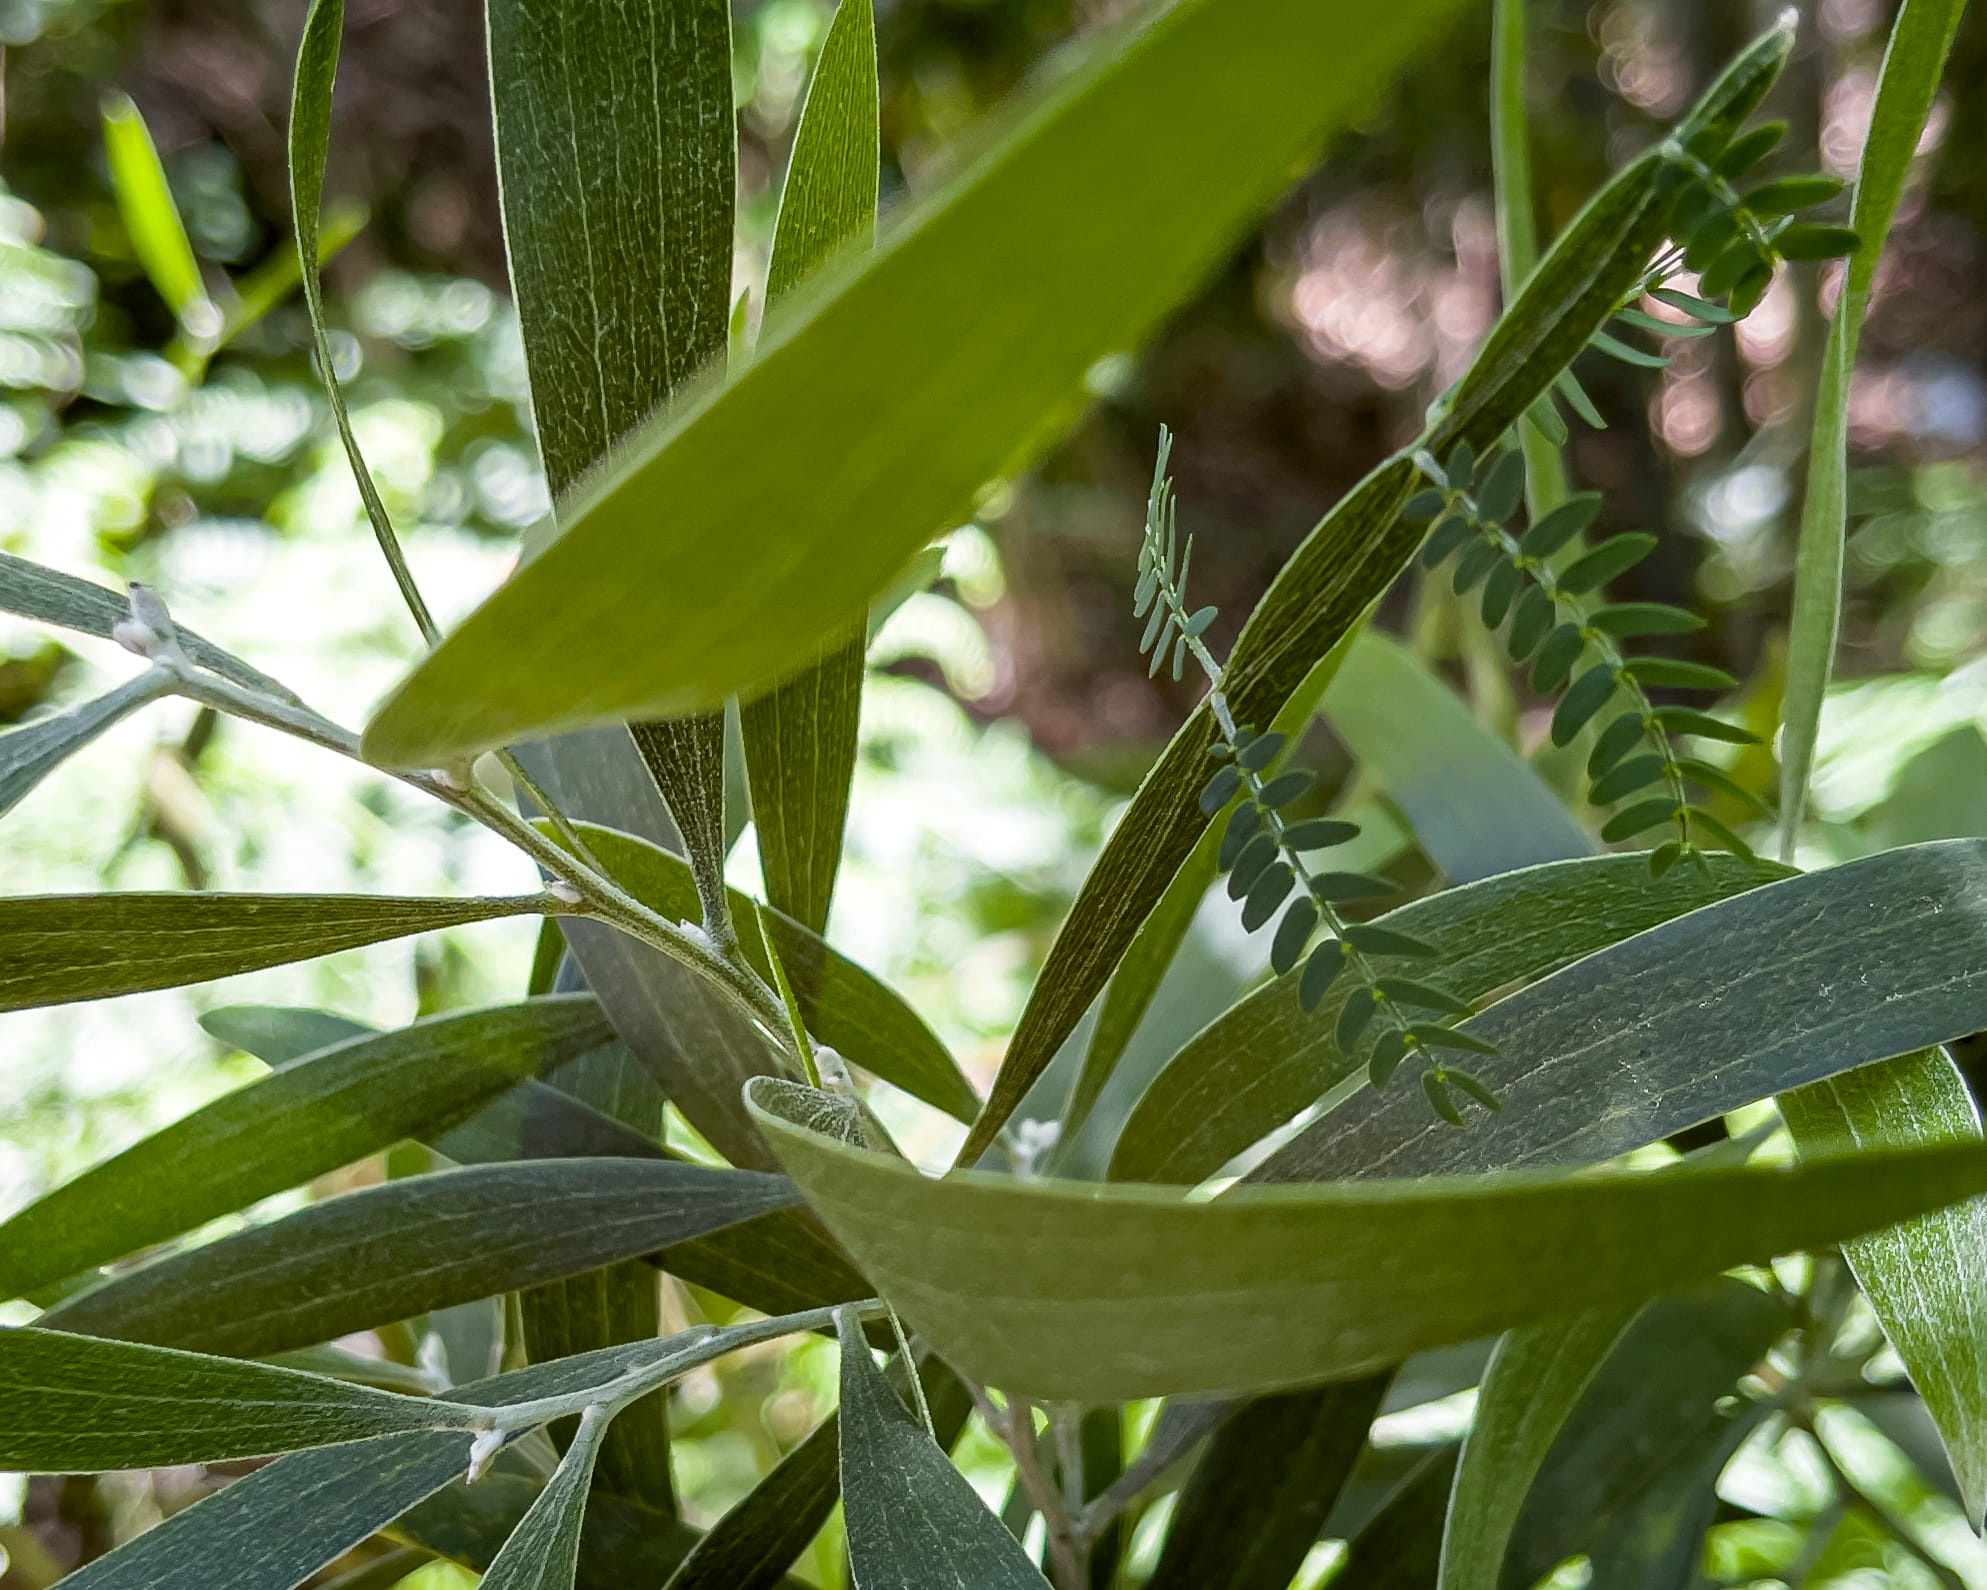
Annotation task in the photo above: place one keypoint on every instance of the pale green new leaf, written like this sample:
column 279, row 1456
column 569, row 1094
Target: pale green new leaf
column 1474, row 804
column 800, row 736
column 1259, row 1064
column 1926, row 1278
column 301, row 1121
column 1068, row 1291
column 62, row 947
column 914, row 1521
column 77, row 1405
column 688, row 570
column 406, row 1247
column 151, row 218
column 48, row 596
column 1920, row 40
column 543, row 1552
column 1741, row 999
column 28, row 755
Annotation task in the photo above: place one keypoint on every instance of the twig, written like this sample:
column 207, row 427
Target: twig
column 1016, row 1429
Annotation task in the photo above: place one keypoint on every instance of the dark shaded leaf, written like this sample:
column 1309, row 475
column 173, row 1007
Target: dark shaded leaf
column 1613, row 558
column 1639, row 818
column 1625, row 778
column 1677, row 673
column 1592, row 691
column 1556, row 658
column 1626, row 619
column 1571, row 518
column 1815, row 242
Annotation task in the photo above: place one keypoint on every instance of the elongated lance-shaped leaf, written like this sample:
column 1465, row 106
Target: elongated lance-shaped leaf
column 389, row 1252
column 623, row 1543
column 543, row 1552
column 1069, row 1291
column 1341, row 568
column 1474, row 804
column 914, row 1521
column 685, row 757
column 76, row 1405
column 1532, row 1384
column 62, row 947
column 309, row 146
column 1920, row 40
column 308, row 1118
column 151, row 218
column 800, row 736
column 1261, row 1493
column 1146, row 961
column 1927, row 1278
column 751, row 1547
column 845, row 1006
column 1266, row 1059
column 48, row 596
column 28, row 755
column 1751, row 996
column 906, row 379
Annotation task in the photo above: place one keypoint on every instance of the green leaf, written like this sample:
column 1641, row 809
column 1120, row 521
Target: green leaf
column 1923, row 1278
column 1583, row 699
column 1474, row 804
column 1626, row 619
column 1613, row 558
column 1397, row 1547
column 751, row 1546
column 1789, row 194
column 685, row 757
column 299, row 1122
column 1531, row 1384
column 1688, row 720
column 278, row 1034
column 1625, row 778
column 63, row 948
column 1639, row 819
column 1258, row 1499
column 906, row 380
column 388, row 1252
column 1815, row 242
column 845, row 1006
column 1920, row 41
column 280, row 1524
column 1268, row 1058
column 151, row 218
column 543, row 1552
column 1629, row 1478
column 1556, row 657
column 75, row 1405
column 1738, row 1000
column 1677, row 673
column 29, row 754
column 800, row 737
column 1571, row 518
column 1614, row 742
column 1614, row 348
column 48, row 596
column 914, row 1521
column 1069, row 1291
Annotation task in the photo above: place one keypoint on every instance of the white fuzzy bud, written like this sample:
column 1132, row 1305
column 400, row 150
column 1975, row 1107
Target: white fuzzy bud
column 1032, row 1142
column 833, row 1069
column 483, row 1452
column 148, row 629
column 564, row 892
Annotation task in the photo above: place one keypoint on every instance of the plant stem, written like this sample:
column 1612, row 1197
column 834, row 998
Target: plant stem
column 1016, row 1428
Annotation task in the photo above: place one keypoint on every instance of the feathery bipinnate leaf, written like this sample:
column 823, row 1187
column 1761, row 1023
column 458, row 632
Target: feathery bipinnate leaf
column 800, row 736
column 62, row 948
column 1920, row 41
column 1343, row 566
column 906, row 379
column 308, row 1118
column 406, row 1247
column 1068, row 1291
column 914, row 1521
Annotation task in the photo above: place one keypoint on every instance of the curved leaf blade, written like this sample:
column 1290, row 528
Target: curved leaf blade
column 543, row 1552
column 1068, row 1291
column 67, row 947
column 312, row 1116
column 408, row 1247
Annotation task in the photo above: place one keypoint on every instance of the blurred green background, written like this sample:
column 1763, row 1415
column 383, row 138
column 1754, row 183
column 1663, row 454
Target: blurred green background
column 1008, row 713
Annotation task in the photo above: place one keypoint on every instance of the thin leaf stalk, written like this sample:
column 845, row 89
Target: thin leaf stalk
column 1014, row 1427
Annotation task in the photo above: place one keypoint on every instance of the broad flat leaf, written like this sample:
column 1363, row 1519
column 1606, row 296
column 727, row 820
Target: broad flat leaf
column 1068, row 1291
column 1926, row 1278
column 1738, row 1000
column 301, row 1121
column 906, row 380
column 1626, row 1478
column 386, row 1253
column 77, row 1405
column 1532, row 1384
column 29, row 754
column 28, row 590
column 544, row 1550
column 1150, row 955
column 1262, row 1491
column 800, row 736
column 1920, row 41
column 275, row 1527
column 1268, row 1058
column 1474, row 804
column 278, row 1034
column 914, row 1521
column 151, row 218
column 67, row 947
column 751, row 1547
column 1398, row 1546
column 845, row 1006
